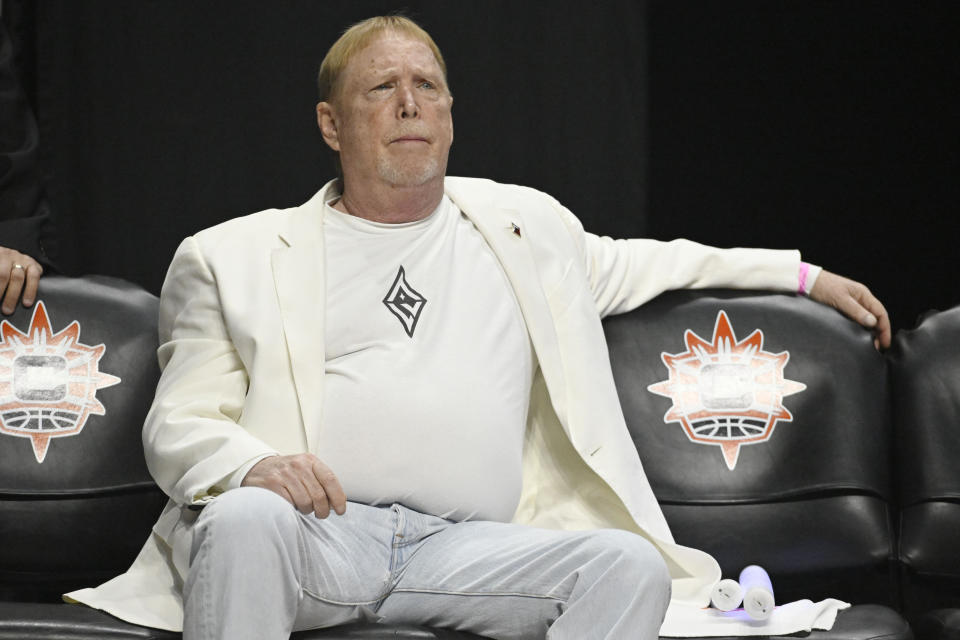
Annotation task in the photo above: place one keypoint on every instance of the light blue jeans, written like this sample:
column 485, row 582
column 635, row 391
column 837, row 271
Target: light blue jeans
column 260, row 569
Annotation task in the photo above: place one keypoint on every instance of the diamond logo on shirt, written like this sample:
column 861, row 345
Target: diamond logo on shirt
column 405, row 302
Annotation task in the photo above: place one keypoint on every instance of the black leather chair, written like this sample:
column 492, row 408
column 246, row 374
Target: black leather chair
column 926, row 385
column 46, row 621
column 754, row 470
column 80, row 516
column 939, row 624
column 812, row 504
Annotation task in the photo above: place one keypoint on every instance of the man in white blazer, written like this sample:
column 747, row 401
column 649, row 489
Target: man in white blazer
column 546, row 528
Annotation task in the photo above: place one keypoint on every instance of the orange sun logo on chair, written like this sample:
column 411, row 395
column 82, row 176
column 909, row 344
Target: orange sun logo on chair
column 48, row 381
column 726, row 393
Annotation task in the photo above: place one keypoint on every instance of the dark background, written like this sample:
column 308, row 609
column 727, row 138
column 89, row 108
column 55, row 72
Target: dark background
column 829, row 126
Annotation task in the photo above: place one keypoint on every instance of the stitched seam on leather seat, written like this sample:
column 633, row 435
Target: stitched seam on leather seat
column 805, row 496
column 52, row 494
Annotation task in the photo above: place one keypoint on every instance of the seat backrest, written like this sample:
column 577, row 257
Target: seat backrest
column 926, row 385
column 78, row 371
column 762, row 421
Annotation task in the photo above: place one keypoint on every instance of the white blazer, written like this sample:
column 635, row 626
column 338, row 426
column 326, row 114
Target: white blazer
column 242, row 353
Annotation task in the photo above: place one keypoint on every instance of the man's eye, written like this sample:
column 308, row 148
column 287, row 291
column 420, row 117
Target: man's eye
column 381, row 87
column 426, row 84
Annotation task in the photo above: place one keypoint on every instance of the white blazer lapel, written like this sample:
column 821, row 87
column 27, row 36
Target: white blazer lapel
column 508, row 236
column 299, row 277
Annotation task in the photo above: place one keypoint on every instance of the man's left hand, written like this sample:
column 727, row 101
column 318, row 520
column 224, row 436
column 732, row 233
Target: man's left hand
column 19, row 274
column 856, row 302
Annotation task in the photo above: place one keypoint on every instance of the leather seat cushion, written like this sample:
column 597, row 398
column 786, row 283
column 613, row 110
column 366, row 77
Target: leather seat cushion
column 76, row 622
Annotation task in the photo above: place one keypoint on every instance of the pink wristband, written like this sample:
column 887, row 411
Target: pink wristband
column 802, row 281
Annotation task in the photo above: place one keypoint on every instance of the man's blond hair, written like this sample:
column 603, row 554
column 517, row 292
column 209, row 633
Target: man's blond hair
column 359, row 36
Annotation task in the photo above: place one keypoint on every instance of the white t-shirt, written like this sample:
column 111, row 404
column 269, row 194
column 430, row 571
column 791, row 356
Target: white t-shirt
column 428, row 367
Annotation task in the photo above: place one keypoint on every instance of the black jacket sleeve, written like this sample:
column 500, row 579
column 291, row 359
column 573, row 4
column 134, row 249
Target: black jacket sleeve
column 25, row 220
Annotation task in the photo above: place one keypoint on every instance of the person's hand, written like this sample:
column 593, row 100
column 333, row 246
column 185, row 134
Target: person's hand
column 302, row 480
column 19, row 274
column 856, row 302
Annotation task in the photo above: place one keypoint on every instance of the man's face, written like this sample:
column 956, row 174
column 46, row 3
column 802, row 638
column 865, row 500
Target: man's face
column 391, row 116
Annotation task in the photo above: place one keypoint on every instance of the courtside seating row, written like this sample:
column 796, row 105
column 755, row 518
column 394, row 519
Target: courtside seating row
column 772, row 432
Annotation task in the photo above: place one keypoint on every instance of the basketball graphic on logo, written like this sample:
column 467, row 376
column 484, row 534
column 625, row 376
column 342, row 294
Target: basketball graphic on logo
column 48, row 381
column 726, row 393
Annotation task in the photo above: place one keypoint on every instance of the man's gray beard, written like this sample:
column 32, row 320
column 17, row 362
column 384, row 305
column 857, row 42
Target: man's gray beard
column 408, row 175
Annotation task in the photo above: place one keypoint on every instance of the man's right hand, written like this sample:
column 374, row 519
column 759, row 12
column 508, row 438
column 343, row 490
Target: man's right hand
column 302, row 480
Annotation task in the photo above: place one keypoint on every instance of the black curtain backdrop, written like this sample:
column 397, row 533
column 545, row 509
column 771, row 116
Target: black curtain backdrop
column 161, row 118
column 830, row 125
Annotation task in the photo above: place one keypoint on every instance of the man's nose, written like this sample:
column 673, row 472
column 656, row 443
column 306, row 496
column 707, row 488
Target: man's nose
column 408, row 107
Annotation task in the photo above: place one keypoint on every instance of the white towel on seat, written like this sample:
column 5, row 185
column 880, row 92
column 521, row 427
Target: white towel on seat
column 793, row 617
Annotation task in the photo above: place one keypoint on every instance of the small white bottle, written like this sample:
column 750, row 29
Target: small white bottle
column 727, row 595
column 758, row 599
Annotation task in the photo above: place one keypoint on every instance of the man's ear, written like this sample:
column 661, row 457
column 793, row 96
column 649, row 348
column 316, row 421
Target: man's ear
column 327, row 121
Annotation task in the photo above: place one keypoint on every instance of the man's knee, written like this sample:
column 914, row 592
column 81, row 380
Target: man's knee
column 631, row 555
column 250, row 515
